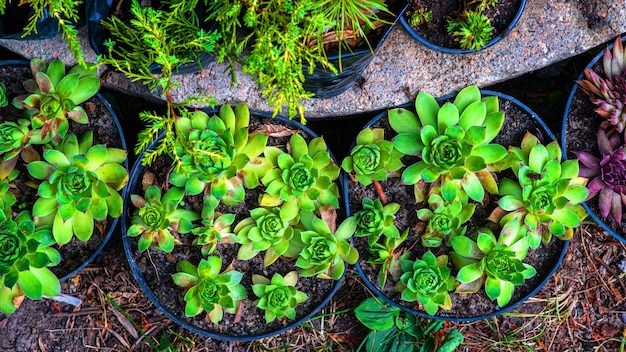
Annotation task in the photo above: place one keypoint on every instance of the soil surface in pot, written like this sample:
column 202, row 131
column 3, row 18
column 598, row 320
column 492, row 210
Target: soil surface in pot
column 581, row 132
column 105, row 131
column 157, row 266
column 435, row 31
column 516, row 123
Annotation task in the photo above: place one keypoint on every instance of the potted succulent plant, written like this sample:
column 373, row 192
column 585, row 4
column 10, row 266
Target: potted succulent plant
column 460, row 27
column 62, row 170
column 231, row 229
column 593, row 132
column 463, row 195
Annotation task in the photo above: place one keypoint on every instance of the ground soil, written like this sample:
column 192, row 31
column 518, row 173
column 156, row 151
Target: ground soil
column 435, row 31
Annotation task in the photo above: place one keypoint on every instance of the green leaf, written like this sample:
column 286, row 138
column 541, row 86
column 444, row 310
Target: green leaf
column 467, row 96
column 427, row 109
column 447, row 116
column 40, row 170
column 376, row 315
column 30, row 284
column 404, row 121
column 473, row 115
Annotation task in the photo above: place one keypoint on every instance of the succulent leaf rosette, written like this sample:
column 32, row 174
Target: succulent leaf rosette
column 81, row 184
column 453, row 142
column 608, row 93
column 218, row 153
column 373, row 157
column 385, row 255
column 303, row 179
column 473, row 31
column 445, row 219
column 376, row 219
column 214, row 228
column 325, row 253
column 26, row 252
column 15, row 136
column 496, row 262
column 278, row 297
column 159, row 218
column 55, row 96
column 547, row 194
column 426, row 280
column 607, row 174
column 264, row 230
column 208, row 289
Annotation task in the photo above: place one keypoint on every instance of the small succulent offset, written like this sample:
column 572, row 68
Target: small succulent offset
column 496, row 262
column 607, row 174
column 325, row 253
column 215, row 227
column 208, row 289
column 217, row 153
column 608, row 93
column 303, row 179
column 80, row 185
column 278, row 296
column 376, row 219
column 385, row 254
column 426, row 280
column 547, row 194
column 26, row 252
column 55, row 96
column 453, row 142
column 473, row 31
column 159, row 217
column 373, row 157
column 445, row 221
column 264, row 230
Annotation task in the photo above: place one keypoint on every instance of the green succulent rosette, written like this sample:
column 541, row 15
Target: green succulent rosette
column 324, row 253
column 453, row 142
column 545, row 199
column 445, row 219
column 372, row 158
column 376, row 219
column 219, row 154
column 159, row 218
column 278, row 297
column 426, row 280
column 81, row 184
column 25, row 254
column 214, row 228
column 303, row 179
column 55, row 96
column 208, row 289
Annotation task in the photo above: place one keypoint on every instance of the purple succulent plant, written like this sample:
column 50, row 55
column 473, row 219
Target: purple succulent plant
column 608, row 93
column 607, row 173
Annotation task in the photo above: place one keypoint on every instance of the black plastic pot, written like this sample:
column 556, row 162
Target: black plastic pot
column 130, row 248
column 112, row 223
column 578, row 100
column 451, row 50
column 326, row 84
column 98, row 10
column 16, row 17
column 558, row 247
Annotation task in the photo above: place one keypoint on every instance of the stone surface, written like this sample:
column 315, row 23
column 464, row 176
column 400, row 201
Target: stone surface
column 548, row 31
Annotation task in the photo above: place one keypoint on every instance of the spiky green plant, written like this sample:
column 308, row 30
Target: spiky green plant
column 473, row 30
column 303, row 179
column 374, row 220
column 496, row 262
column 426, row 280
column 55, row 96
column 278, row 297
column 26, row 253
column 264, row 230
column 325, row 253
column 159, row 218
column 81, row 184
column 208, row 288
column 453, row 141
column 372, row 158
column 218, row 154
column 547, row 194
column 445, row 221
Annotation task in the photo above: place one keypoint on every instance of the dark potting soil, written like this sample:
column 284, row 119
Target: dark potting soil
column 105, row 131
column 544, row 259
column 157, row 267
column 581, row 136
column 435, row 31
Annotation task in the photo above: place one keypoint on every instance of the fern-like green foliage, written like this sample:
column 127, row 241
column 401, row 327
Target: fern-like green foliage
column 64, row 11
column 169, row 38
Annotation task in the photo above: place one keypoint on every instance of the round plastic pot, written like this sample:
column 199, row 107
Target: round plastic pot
column 98, row 10
column 550, row 267
column 447, row 50
column 326, row 84
column 577, row 98
column 135, row 184
column 16, row 17
column 112, row 222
